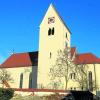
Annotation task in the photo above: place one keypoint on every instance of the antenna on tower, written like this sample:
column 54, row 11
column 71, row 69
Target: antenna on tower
column 13, row 51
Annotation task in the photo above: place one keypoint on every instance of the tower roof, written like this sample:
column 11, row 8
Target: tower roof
column 60, row 17
column 52, row 6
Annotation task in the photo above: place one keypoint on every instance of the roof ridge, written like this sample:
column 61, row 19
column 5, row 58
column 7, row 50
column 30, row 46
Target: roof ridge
column 85, row 53
column 25, row 52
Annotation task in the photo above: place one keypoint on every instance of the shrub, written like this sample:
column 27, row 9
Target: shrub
column 55, row 96
column 20, row 97
column 6, row 94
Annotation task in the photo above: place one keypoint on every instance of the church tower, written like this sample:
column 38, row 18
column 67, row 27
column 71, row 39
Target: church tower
column 54, row 36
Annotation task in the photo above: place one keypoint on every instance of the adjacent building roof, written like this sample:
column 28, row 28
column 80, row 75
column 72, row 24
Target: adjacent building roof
column 21, row 60
column 86, row 58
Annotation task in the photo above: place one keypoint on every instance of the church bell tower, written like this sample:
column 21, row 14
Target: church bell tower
column 54, row 36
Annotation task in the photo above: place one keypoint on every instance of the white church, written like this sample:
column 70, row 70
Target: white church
column 31, row 69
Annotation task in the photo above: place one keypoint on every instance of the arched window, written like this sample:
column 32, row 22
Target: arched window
column 21, row 80
column 30, row 80
column 49, row 31
column 53, row 31
column 90, row 81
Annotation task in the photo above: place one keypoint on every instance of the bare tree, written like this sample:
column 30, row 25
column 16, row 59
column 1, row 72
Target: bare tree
column 63, row 66
column 56, row 84
column 83, row 79
column 5, row 76
column 81, row 76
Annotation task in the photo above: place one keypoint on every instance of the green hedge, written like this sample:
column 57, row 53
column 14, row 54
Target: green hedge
column 6, row 94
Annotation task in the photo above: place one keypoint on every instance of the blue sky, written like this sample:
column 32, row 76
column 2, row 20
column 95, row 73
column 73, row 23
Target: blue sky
column 20, row 20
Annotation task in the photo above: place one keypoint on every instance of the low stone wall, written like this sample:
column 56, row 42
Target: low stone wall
column 39, row 92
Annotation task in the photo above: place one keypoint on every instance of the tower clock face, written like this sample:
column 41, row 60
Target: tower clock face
column 51, row 20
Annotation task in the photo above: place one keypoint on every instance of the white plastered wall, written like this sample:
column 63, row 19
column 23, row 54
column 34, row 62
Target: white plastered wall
column 15, row 74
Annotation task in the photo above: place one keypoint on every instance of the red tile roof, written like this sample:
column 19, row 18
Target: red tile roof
column 87, row 58
column 21, row 60
column 31, row 58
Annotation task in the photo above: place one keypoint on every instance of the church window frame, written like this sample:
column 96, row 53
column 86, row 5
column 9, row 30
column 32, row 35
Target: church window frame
column 53, row 31
column 50, row 55
column 49, row 32
column 66, row 35
column 90, row 80
column 21, row 81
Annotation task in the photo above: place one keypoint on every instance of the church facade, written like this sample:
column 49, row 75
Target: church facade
column 31, row 69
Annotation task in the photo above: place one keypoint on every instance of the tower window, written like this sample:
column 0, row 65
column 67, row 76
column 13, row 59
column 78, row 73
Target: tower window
column 66, row 35
column 50, row 54
column 53, row 31
column 49, row 31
